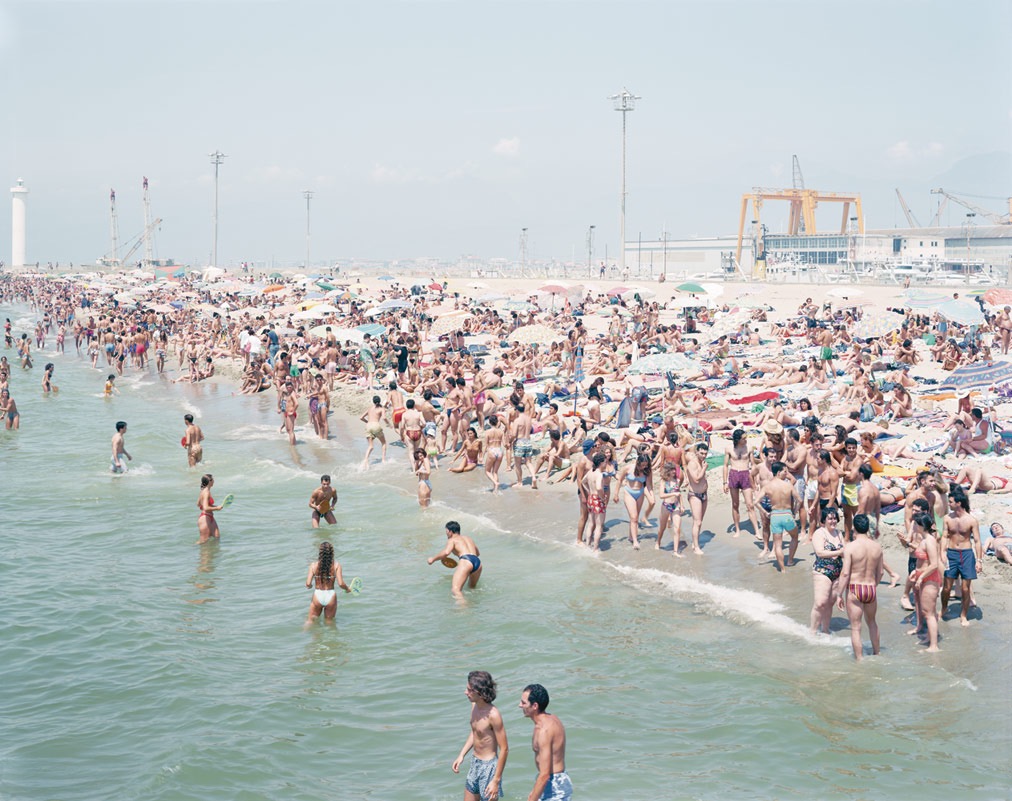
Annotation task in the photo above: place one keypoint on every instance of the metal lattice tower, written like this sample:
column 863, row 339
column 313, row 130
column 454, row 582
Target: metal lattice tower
column 148, row 247
column 308, row 195
column 624, row 101
column 114, row 226
column 523, row 252
column 217, row 157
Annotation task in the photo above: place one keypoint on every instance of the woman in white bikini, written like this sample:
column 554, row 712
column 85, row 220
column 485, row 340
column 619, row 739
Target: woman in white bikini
column 325, row 573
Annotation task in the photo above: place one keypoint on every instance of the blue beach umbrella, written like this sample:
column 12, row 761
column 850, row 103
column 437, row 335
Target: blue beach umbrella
column 978, row 375
column 372, row 329
column 961, row 311
column 387, row 278
column 919, row 299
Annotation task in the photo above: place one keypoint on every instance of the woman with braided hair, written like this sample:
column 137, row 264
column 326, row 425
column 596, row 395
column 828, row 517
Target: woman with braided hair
column 325, row 572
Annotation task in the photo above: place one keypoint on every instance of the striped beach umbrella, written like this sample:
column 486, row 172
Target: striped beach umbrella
column 876, row 323
column 978, row 375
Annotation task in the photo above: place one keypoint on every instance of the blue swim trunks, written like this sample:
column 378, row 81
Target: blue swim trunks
column 559, row 788
column 781, row 520
column 481, row 773
column 962, row 564
column 474, row 560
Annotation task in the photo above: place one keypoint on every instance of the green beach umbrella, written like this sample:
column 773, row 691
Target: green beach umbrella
column 691, row 287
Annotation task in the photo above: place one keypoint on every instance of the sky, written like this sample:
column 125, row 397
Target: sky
column 439, row 129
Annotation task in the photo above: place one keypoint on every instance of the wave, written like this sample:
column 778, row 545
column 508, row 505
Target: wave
column 746, row 606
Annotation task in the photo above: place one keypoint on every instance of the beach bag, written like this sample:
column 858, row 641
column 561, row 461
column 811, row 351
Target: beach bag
column 867, row 413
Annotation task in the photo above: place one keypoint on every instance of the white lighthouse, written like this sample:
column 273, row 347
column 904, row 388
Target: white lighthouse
column 19, row 225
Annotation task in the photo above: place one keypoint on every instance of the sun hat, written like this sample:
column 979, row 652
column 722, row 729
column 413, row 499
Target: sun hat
column 771, row 426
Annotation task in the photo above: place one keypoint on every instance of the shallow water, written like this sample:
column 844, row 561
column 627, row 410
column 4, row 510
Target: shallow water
column 138, row 665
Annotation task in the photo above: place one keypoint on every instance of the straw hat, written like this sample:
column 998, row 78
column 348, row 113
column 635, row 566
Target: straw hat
column 771, row 426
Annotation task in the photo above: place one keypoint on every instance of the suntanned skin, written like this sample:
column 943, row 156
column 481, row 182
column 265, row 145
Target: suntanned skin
column 548, row 743
column 488, row 739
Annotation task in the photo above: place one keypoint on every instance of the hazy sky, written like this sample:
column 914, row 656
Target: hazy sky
column 440, row 128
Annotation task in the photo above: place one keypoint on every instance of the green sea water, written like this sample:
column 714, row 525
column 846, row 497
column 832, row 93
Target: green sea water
column 138, row 665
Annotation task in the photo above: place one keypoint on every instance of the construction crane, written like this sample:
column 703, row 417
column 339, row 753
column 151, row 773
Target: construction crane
column 135, row 244
column 798, row 181
column 802, row 216
column 991, row 216
column 911, row 219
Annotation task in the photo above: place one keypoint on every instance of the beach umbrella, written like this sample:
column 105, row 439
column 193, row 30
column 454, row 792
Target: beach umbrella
column 491, row 297
column 963, row 312
column 387, row 278
column 998, row 297
column 274, row 288
column 180, row 273
column 394, row 303
column 919, row 299
column 276, row 276
column 342, row 334
column 662, row 363
column 617, row 291
column 713, row 290
column 643, row 292
column 372, row 329
column 978, row 375
column 689, row 302
column 689, row 286
column 725, row 324
column 529, row 334
column 876, row 323
column 553, row 289
column 325, row 286
column 608, row 311
column 450, row 321
column 518, row 305
column 435, row 287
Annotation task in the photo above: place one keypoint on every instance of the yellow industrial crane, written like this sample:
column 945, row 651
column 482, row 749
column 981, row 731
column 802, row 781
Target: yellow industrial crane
column 803, row 204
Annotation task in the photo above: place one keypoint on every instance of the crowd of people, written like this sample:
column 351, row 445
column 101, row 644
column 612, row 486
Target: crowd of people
column 816, row 430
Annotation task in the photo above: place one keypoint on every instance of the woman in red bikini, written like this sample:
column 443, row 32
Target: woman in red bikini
column 206, row 524
column 927, row 580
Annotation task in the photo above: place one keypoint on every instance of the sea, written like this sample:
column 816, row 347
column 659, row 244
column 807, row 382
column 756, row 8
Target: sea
column 139, row 665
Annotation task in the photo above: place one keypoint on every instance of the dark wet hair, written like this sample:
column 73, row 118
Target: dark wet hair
column 737, row 436
column 829, row 510
column 536, row 694
column 925, row 521
column 865, row 471
column 453, row 526
column 205, row 480
column 325, row 561
column 188, row 418
column 482, row 683
column 861, row 524
column 120, row 425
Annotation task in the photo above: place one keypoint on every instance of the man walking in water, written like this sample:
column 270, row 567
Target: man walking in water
column 862, row 571
column 322, row 502
column 487, row 738
column 549, row 745
column 119, row 449
column 468, row 567
column 193, row 441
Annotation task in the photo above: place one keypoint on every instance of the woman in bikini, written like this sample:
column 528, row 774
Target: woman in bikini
column 469, row 453
column 207, row 526
column 636, row 477
column 423, row 469
column 827, row 543
column 927, row 579
column 325, row 573
column 671, row 508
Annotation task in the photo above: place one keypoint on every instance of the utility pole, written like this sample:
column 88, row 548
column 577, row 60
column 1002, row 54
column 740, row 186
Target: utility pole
column 590, row 250
column 664, row 265
column 148, row 257
column 308, row 195
column 217, row 157
column 523, row 252
column 115, row 227
column 624, row 101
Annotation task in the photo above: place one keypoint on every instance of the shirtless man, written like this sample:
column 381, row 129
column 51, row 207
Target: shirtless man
column 520, row 437
column 193, row 440
column 469, row 565
column 962, row 548
column 826, row 341
column 549, row 745
column 322, row 502
column 859, row 579
column 796, row 460
column 395, row 403
column 850, row 465
column 762, row 474
column 828, row 480
column 784, row 500
column 695, row 474
column 487, row 738
column 119, row 449
column 558, row 450
column 373, row 419
column 411, row 427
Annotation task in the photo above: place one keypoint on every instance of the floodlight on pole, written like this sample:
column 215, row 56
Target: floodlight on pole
column 217, row 157
column 308, row 195
column 590, row 249
column 624, row 101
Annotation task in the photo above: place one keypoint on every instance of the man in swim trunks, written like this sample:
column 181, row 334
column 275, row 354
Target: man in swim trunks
column 549, row 745
column 520, row 435
column 322, row 502
column 469, row 565
column 119, row 449
column 962, row 547
column 373, row 419
column 784, row 503
column 826, row 340
column 851, row 478
column 487, row 738
column 411, row 424
column 859, row 579
column 193, row 438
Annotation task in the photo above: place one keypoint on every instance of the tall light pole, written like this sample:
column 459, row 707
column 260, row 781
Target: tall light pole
column 969, row 221
column 217, row 157
column 624, row 101
column 664, row 265
column 308, row 195
column 590, row 250
column 523, row 252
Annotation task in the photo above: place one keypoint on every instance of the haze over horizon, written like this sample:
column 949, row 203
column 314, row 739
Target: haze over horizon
column 443, row 128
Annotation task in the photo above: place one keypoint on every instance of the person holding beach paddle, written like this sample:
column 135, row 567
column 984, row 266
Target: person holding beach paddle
column 206, row 524
column 467, row 564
